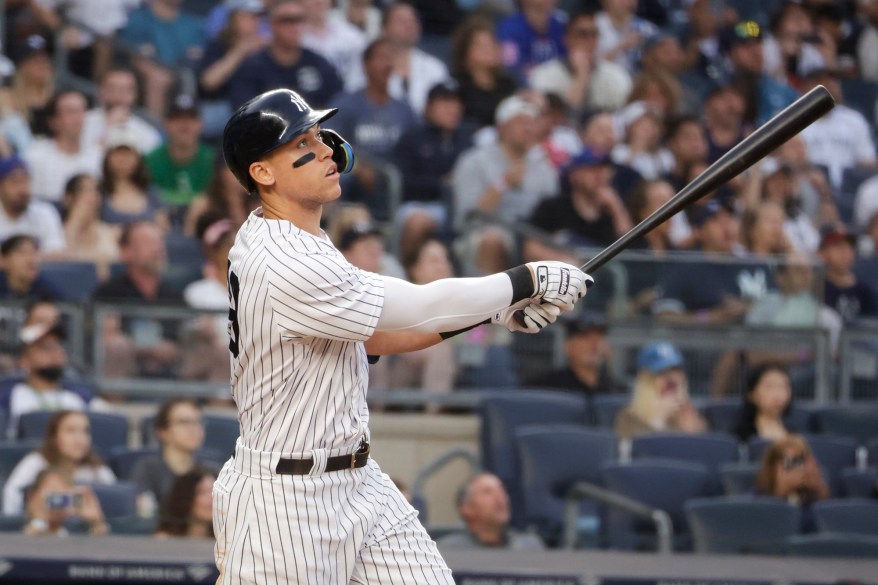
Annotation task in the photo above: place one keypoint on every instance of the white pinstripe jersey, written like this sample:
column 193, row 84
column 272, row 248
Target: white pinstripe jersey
column 298, row 315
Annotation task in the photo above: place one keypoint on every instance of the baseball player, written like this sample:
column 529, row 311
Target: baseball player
column 301, row 501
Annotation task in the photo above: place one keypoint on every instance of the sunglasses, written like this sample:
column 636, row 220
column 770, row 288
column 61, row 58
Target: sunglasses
column 793, row 462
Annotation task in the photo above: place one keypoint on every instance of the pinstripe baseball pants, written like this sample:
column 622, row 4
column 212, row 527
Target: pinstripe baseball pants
column 345, row 527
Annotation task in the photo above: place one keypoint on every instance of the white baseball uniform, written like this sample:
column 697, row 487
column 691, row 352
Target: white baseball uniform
column 299, row 314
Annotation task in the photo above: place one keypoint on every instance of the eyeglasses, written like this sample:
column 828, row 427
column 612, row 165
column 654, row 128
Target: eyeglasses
column 793, row 462
column 289, row 19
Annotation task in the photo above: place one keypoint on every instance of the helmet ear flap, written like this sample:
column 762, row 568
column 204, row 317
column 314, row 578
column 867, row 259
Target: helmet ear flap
column 342, row 153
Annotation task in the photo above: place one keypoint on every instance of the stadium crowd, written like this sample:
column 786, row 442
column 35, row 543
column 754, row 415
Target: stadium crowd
column 487, row 133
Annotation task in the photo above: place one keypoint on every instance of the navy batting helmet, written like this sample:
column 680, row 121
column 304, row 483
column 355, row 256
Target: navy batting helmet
column 269, row 121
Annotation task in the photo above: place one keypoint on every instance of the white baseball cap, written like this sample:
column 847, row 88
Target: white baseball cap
column 35, row 332
column 514, row 106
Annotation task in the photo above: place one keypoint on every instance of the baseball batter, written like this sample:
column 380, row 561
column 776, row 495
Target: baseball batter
column 301, row 501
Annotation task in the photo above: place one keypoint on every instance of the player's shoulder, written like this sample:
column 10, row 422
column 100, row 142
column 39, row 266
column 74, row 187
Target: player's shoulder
column 280, row 237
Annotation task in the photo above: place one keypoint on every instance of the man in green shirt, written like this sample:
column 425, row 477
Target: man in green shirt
column 183, row 166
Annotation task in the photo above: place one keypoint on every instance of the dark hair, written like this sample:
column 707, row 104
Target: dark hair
column 128, row 230
column 140, row 178
column 385, row 18
column 52, row 105
column 372, row 47
column 678, row 122
column 585, row 12
column 163, row 416
column 745, row 428
column 637, row 197
column 12, row 243
column 462, row 38
column 49, row 449
column 175, row 513
column 73, row 183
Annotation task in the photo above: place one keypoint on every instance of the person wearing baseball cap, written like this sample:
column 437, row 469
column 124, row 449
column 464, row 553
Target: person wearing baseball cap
column 587, row 353
column 660, row 398
column 21, row 214
column 849, row 296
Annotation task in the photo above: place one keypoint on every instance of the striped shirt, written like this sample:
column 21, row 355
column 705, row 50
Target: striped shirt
column 299, row 313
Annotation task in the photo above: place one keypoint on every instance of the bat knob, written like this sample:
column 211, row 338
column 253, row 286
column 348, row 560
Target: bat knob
column 519, row 318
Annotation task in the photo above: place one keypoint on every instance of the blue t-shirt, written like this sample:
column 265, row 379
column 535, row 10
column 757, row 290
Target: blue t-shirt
column 311, row 76
column 373, row 129
column 773, row 97
column 170, row 41
column 523, row 47
column 703, row 285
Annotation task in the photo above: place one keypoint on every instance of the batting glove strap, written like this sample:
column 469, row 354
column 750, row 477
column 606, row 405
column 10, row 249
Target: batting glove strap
column 522, row 283
column 559, row 283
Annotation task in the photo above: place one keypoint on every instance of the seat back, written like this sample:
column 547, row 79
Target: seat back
column 122, row 460
column 853, row 516
column 75, row 281
column 859, row 483
column 501, row 413
column 833, row 545
column 117, row 499
column 551, row 458
column 108, row 430
column 859, row 422
column 13, row 452
column 722, row 414
column 662, row 484
column 741, row 524
column 709, row 449
column 605, row 408
column 220, row 434
column 738, row 479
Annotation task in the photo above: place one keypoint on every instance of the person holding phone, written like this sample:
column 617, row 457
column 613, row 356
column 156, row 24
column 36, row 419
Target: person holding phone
column 53, row 501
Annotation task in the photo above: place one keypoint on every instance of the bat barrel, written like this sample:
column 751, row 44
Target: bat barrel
column 765, row 139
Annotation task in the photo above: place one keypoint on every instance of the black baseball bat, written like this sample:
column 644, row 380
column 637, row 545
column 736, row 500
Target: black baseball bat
column 783, row 126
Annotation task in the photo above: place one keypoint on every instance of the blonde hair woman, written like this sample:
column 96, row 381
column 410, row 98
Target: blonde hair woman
column 660, row 401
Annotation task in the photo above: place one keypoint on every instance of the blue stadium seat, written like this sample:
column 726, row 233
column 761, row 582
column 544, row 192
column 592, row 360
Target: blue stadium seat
column 739, row 479
column 123, row 459
column 32, row 425
column 220, row 434
column 185, row 260
column 4, row 421
column 74, row 280
column 832, row 453
column 500, row 413
column 833, row 545
column 872, row 450
column 12, row 523
column 605, row 407
column 721, row 413
column 861, row 95
column 741, row 524
column 11, row 453
column 147, row 431
column 551, row 458
column 709, row 449
column 853, row 516
column 108, row 430
column 662, row 484
column 859, row 483
column 859, row 422
column 118, row 500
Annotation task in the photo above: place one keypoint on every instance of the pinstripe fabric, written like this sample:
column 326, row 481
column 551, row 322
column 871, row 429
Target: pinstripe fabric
column 299, row 315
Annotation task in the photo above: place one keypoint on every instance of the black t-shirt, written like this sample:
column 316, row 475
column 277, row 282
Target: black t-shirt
column 850, row 302
column 565, row 379
column 557, row 215
column 479, row 104
column 696, row 286
column 122, row 288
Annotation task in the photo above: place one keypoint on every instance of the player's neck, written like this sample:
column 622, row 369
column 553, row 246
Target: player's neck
column 304, row 218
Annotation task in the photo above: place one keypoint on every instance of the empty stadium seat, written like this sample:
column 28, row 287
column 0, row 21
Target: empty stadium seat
column 722, row 414
column 859, row 483
column 859, row 422
column 709, row 449
column 12, row 523
column 872, row 451
column 662, row 484
column 605, row 407
column 853, row 516
column 500, row 413
column 551, row 458
column 738, row 479
column 118, row 500
column 220, row 434
column 74, row 280
column 741, row 524
column 832, row 453
column 833, row 545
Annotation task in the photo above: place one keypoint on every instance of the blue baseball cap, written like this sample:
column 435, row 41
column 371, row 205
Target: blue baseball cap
column 704, row 213
column 587, row 158
column 10, row 164
column 658, row 356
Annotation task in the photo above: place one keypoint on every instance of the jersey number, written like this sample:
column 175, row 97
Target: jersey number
column 234, row 330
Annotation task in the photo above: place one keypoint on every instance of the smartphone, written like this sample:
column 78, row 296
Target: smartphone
column 63, row 500
column 793, row 462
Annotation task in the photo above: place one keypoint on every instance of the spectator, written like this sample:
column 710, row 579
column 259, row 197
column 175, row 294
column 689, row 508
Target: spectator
column 52, row 161
column 660, row 399
column 89, row 238
column 67, row 447
column 791, row 47
column 363, row 246
column 790, row 471
column 180, row 433
column 779, row 186
column 373, row 122
column 239, row 39
column 32, row 88
column 686, row 140
column 583, row 80
column 554, row 133
column 839, row 34
column 114, row 119
column 19, row 214
column 183, row 166
column 724, row 120
column 21, row 278
column 599, row 133
column 762, row 230
column 662, row 52
column 658, row 90
column 127, row 192
column 362, row 14
column 426, row 155
column 643, row 200
column 433, row 369
column 587, row 212
column 621, row 33
column 54, row 500
column 716, row 292
column 336, row 40
column 742, row 44
column 414, row 71
column 188, row 508
column 867, row 44
column 843, row 291
column 642, row 149
column 768, row 399
column 866, row 203
column 211, row 292
column 483, row 505
column 504, row 180
column 225, row 197
column 810, row 184
column 842, row 139
column 162, row 37
column 588, row 353
column 478, row 68
column 700, row 40
column 44, row 387
column 532, row 35
column 285, row 62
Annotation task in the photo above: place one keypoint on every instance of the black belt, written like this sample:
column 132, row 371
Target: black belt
column 337, row 463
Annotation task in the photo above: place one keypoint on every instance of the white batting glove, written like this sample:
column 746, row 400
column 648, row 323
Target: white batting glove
column 559, row 283
column 533, row 316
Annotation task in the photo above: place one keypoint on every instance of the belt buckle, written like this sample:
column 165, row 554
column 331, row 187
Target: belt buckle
column 353, row 460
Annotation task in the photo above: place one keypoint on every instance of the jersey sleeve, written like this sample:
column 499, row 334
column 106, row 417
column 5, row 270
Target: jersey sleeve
column 321, row 295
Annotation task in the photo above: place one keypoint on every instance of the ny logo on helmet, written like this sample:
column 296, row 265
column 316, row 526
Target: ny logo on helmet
column 298, row 102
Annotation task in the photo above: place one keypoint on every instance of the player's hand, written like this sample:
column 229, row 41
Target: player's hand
column 532, row 317
column 558, row 283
